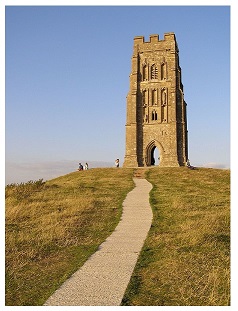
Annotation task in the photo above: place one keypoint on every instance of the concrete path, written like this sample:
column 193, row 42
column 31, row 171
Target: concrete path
column 103, row 279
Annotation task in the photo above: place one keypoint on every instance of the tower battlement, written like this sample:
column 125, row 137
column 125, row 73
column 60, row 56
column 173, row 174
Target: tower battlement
column 168, row 36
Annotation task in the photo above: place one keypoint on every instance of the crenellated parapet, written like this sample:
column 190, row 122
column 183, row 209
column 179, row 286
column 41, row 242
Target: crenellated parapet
column 168, row 36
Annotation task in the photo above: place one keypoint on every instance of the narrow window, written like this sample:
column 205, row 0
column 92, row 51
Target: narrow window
column 163, row 71
column 144, row 98
column 144, row 73
column 154, row 97
column 154, row 72
column 164, row 107
column 155, row 115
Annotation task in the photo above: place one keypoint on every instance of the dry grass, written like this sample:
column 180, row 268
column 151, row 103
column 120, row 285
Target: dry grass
column 185, row 260
column 53, row 227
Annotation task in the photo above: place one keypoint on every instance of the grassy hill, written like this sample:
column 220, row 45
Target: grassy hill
column 53, row 227
column 185, row 259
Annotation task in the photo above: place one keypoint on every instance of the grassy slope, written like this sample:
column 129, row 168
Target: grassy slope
column 52, row 228
column 185, row 259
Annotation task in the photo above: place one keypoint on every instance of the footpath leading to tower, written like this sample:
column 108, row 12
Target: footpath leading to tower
column 103, row 279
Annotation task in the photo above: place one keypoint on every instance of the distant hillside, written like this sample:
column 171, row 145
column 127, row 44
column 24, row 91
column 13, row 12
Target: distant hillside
column 22, row 172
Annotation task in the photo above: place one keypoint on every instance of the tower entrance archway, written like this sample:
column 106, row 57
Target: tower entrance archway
column 154, row 152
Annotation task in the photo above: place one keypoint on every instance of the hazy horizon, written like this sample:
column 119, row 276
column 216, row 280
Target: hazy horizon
column 46, row 170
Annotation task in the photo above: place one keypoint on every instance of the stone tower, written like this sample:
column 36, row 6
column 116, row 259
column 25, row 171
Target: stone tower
column 156, row 110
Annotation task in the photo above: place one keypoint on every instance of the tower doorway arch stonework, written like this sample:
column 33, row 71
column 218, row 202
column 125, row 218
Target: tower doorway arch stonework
column 156, row 109
column 150, row 153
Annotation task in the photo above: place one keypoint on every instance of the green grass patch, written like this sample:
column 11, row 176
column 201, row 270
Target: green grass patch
column 53, row 227
column 185, row 260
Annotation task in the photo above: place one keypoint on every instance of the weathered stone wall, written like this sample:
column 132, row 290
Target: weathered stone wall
column 156, row 110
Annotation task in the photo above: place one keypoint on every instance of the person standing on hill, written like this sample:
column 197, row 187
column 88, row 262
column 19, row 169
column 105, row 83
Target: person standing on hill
column 117, row 162
column 86, row 166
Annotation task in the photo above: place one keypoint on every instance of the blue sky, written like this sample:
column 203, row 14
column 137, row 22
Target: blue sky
column 67, row 78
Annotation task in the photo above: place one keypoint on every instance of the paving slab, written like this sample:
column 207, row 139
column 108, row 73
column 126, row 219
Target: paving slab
column 103, row 279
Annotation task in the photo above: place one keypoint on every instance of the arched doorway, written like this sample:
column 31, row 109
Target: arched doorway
column 153, row 153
